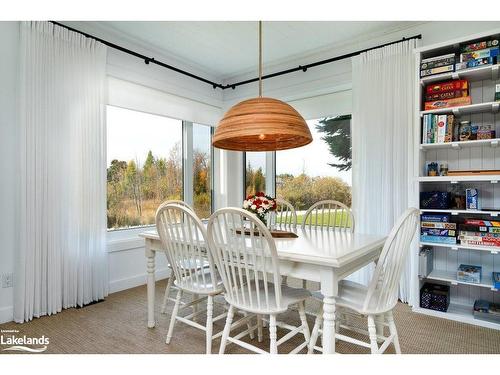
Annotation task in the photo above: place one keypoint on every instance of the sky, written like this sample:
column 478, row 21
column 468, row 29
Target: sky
column 313, row 159
column 132, row 134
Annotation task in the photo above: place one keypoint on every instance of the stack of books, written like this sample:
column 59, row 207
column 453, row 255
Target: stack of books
column 476, row 232
column 437, row 228
column 478, row 54
column 447, row 94
column 437, row 128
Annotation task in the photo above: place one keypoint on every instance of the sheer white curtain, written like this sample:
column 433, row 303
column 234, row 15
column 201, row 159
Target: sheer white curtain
column 382, row 142
column 62, row 259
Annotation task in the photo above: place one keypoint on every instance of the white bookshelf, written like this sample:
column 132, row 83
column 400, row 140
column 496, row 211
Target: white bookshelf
column 451, row 278
column 486, row 107
column 460, row 144
column 492, row 178
column 473, row 74
column 489, row 249
column 493, row 214
column 466, row 155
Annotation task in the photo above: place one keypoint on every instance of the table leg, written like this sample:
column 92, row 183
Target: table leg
column 150, row 255
column 329, row 289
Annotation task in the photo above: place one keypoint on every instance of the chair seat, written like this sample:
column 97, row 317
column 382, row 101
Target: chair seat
column 196, row 284
column 351, row 295
column 190, row 265
column 289, row 296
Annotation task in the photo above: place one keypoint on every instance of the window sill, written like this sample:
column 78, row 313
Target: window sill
column 126, row 239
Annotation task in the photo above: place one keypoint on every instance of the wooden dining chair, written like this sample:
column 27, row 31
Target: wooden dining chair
column 329, row 214
column 284, row 217
column 376, row 301
column 249, row 268
column 184, row 237
column 170, row 281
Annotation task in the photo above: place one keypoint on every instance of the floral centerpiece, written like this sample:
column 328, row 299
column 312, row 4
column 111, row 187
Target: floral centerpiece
column 260, row 204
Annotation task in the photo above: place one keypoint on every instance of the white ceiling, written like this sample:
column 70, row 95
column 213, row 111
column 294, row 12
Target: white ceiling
column 226, row 49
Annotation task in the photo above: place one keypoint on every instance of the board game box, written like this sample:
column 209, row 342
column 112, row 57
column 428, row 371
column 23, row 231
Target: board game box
column 448, row 103
column 469, row 274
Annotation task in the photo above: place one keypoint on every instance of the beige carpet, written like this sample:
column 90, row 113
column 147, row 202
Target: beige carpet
column 118, row 325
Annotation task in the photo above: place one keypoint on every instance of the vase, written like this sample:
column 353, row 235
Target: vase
column 263, row 218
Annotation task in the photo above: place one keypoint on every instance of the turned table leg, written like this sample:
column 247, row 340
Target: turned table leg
column 150, row 256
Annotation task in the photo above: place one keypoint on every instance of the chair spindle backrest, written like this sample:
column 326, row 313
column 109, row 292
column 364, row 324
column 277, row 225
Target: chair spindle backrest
column 176, row 201
column 185, row 239
column 382, row 292
column 329, row 214
column 284, row 217
column 245, row 256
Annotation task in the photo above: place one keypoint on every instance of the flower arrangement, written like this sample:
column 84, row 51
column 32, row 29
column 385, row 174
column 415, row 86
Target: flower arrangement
column 260, row 204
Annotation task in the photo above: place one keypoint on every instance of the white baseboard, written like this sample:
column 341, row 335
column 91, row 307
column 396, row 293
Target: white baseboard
column 132, row 282
column 6, row 314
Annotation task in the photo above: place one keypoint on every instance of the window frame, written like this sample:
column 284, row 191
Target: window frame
column 274, row 152
column 187, row 171
column 269, row 172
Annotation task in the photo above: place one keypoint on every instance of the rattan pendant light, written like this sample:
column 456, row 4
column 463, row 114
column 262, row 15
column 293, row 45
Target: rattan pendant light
column 261, row 124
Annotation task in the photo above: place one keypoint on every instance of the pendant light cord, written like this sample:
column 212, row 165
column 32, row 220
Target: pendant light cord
column 260, row 59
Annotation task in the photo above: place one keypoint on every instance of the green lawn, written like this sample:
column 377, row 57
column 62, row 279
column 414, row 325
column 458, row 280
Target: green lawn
column 323, row 219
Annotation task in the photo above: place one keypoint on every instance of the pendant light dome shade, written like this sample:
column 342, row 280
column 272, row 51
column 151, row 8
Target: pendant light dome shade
column 261, row 124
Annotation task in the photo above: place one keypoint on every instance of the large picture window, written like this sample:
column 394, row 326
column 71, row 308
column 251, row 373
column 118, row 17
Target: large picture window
column 320, row 170
column 144, row 165
column 255, row 172
column 202, row 170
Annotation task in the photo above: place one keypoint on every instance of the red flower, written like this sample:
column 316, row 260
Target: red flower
column 260, row 194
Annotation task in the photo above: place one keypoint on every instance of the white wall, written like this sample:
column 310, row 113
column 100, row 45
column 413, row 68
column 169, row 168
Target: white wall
column 9, row 34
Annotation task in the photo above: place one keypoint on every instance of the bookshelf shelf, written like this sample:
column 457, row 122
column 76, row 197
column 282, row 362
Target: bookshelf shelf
column 490, row 249
column 487, row 107
column 476, row 155
column 451, row 277
column 493, row 178
column 474, row 74
column 469, row 212
column 460, row 313
column 460, row 145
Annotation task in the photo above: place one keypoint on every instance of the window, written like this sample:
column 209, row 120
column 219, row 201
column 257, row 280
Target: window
column 255, row 172
column 144, row 165
column 202, row 170
column 320, row 170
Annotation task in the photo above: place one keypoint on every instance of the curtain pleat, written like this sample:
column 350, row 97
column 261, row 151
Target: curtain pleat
column 62, row 260
column 382, row 143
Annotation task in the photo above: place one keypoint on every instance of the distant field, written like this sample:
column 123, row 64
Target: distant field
column 323, row 219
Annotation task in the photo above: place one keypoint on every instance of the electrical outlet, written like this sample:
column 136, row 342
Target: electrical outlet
column 7, row 280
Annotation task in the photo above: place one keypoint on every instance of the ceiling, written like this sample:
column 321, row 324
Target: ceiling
column 226, row 49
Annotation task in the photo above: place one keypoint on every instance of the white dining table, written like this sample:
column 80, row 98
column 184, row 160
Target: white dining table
column 321, row 255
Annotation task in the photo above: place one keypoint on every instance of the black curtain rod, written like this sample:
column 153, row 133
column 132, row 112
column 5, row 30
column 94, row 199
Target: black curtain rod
column 147, row 60
column 215, row 85
column 317, row 63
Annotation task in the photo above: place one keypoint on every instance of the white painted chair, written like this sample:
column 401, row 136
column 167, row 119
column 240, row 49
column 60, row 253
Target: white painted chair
column 338, row 216
column 378, row 299
column 249, row 268
column 284, row 217
column 171, row 278
column 185, row 240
